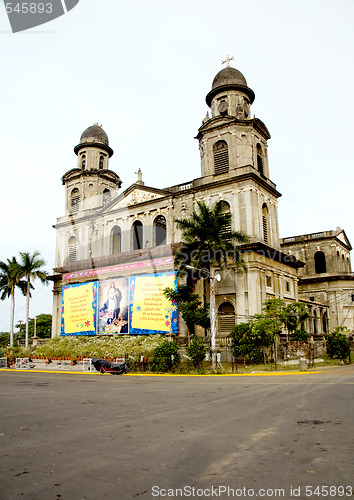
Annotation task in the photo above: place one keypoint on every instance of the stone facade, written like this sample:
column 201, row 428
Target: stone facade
column 109, row 231
column 326, row 282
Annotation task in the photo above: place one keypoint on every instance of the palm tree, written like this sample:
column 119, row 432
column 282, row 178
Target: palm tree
column 30, row 270
column 209, row 242
column 10, row 277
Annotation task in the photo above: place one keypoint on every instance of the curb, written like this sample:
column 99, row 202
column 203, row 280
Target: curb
column 165, row 374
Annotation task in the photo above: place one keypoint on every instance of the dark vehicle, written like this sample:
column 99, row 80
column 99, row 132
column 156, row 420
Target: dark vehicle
column 104, row 366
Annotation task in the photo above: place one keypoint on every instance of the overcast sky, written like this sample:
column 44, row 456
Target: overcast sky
column 142, row 69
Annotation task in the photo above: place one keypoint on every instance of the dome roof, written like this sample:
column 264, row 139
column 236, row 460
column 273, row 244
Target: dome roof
column 94, row 136
column 229, row 76
column 95, row 133
column 229, row 79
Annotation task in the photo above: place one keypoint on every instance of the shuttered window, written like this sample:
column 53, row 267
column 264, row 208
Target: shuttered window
column 221, row 157
column 225, row 230
column 226, row 315
column 106, row 198
column 116, row 240
column 265, row 216
column 72, row 249
column 75, row 201
column 160, row 230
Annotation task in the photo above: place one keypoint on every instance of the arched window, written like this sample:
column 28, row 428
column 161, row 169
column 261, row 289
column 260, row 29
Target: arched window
column 226, row 315
column 137, row 230
column 75, row 200
column 320, row 262
column 221, row 157
column 106, row 197
column 265, row 219
column 314, row 323
column 160, row 230
column 72, row 249
column 260, row 159
column 116, row 240
column 325, row 322
column 225, row 231
column 101, row 162
column 83, row 161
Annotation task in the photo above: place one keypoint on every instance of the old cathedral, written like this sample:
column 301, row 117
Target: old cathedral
column 116, row 238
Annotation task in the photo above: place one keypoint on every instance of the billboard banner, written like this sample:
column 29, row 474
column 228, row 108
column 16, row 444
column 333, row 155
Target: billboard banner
column 113, row 305
column 150, row 311
column 119, row 306
column 79, row 309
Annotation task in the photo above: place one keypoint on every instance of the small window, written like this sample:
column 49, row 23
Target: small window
column 221, row 157
column 106, row 197
column 101, row 162
column 72, row 249
column 137, row 230
column 287, row 286
column 260, row 159
column 160, row 230
column 269, row 281
column 75, row 200
column 83, row 161
column 265, row 218
column 116, row 237
column 320, row 262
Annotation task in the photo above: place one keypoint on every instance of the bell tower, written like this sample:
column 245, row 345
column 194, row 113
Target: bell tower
column 91, row 184
column 233, row 149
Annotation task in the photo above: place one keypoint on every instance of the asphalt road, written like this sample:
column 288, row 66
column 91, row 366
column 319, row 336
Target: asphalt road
column 66, row 436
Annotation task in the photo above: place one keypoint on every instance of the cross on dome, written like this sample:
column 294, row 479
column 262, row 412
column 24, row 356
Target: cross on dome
column 227, row 60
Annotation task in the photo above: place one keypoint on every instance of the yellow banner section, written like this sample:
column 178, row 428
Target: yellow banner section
column 151, row 310
column 78, row 310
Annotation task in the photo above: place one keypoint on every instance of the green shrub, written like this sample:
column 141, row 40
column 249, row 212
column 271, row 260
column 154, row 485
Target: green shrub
column 299, row 336
column 338, row 345
column 196, row 351
column 256, row 357
column 165, row 357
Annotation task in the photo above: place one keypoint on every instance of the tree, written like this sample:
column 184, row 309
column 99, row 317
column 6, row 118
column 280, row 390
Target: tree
column 295, row 315
column 10, row 278
column 338, row 345
column 43, row 326
column 206, row 244
column 31, row 269
column 192, row 310
column 292, row 316
column 242, row 341
column 248, row 338
column 264, row 329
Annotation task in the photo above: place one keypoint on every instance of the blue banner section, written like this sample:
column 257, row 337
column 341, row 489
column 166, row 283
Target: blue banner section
column 120, row 306
column 150, row 311
column 79, row 309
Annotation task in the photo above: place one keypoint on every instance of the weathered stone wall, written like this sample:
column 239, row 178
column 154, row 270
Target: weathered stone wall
column 296, row 350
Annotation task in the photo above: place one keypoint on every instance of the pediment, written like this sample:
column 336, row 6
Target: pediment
column 136, row 195
column 341, row 236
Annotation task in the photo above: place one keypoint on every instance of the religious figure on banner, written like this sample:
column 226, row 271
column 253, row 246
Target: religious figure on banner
column 112, row 303
column 113, row 306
